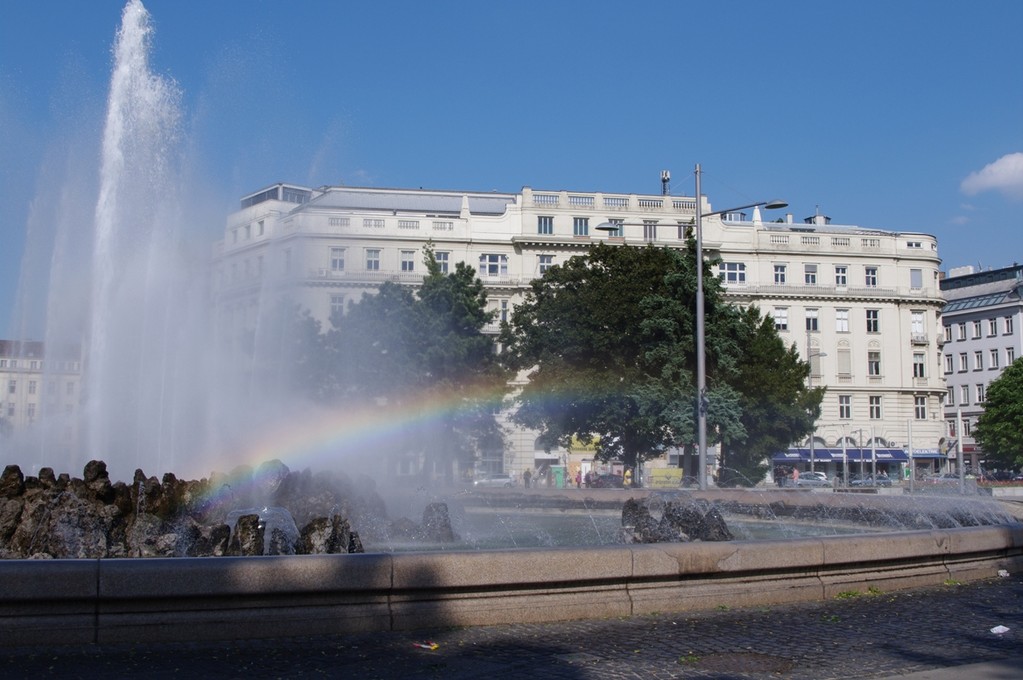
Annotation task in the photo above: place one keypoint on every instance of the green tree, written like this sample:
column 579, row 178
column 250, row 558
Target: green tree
column 999, row 430
column 424, row 353
column 775, row 406
column 607, row 342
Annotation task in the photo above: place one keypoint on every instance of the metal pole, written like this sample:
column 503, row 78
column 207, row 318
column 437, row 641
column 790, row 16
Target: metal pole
column 912, row 465
column 809, row 383
column 959, row 451
column 701, row 358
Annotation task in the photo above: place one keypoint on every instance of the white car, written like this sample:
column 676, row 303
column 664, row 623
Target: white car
column 505, row 481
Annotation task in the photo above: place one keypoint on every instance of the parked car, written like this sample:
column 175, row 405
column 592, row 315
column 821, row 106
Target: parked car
column 608, row 482
column 947, row 478
column 812, row 479
column 505, row 481
column 868, row 480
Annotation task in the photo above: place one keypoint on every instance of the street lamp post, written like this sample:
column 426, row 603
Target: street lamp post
column 701, row 346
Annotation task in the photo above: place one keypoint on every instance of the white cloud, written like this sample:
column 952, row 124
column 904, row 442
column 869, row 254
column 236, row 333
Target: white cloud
column 1004, row 175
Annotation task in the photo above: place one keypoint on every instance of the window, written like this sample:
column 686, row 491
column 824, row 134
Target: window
column 372, row 259
column 779, row 275
column 649, row 230
column 914, row 244
column 948, row 334
column 841, row 275
column 781, row 319
column 248, row 232
column 503, row 314
column 31, row 412
column 916, row 323
column 873, row 320
column 976, row 330
column 920, row 408
column 980, row 393
column 546, row 262
column 732, row 272
column 874, row 363
column 845, row 406
column 31, row 386
column 617, row 227
column 967, row 428
column 875, row 408
column 259, row 228
column 493, row 265
column 978, row 360
column 963, row 364
column 844, row 362
column 961, row 331
column 964, row 394
column 408, row 260
column 916, row 279
column 337, row 259
column 685, row 230
column 810, row 274
column 1008, row 325
column 870, row 277
column 949, row 363
column 581, row 226
column 811, row 320
column 950, row 396
column 337, row 305
column 442, row 260
column 10, row 409
column 842, row 320
column 545, row 224
column 1010, row 355
column 12, row 386
column 70, row 389
column 994, row 359
column 918, row 365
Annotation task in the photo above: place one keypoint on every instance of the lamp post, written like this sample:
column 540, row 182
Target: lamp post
column 701, row 347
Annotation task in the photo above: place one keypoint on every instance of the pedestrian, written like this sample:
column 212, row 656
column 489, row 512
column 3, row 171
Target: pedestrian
column 578, row 479
column 795, row 476
column 627, row 481
column 526, row 475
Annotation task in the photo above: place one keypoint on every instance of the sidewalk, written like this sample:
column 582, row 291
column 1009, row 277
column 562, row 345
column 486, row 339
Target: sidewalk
column 930, row 634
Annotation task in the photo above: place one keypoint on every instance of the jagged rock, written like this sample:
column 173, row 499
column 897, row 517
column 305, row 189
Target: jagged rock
column 679, row 523
column 90, row 517
column 247, row 537
column 12, row 482
column 325, row 536
column 698, row 521
column 437, row 524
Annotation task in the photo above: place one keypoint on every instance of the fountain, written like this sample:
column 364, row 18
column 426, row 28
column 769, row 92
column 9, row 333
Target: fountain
column 155, row 386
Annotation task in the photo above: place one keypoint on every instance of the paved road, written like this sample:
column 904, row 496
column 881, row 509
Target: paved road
column 932, row 634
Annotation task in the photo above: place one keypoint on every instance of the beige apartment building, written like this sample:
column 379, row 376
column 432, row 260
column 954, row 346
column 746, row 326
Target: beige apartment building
column 37, row 385
column 862, row 304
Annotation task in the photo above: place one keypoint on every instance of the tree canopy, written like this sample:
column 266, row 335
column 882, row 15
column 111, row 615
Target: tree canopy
column 999, row 430
column 606, row 340
column 423, row 352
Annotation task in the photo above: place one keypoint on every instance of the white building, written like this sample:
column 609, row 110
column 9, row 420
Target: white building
column 36, row 386
column 982, row 336
column 863, row 304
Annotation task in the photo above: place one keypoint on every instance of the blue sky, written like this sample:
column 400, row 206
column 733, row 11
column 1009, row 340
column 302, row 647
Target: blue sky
column 904, row 115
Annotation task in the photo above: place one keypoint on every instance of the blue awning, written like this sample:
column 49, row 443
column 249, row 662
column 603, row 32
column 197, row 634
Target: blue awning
column 829, row 455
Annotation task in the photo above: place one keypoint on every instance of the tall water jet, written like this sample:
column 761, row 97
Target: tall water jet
column 139, row 298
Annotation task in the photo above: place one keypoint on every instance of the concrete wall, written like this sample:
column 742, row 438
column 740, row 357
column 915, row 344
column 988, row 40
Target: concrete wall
column 86, row 601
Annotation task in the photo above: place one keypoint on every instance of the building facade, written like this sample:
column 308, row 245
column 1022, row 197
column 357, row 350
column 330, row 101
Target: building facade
column 37, row 386
column 982, row 335
column 862, row 305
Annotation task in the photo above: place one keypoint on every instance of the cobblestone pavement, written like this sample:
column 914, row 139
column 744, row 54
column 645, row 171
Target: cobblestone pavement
column 867, row 636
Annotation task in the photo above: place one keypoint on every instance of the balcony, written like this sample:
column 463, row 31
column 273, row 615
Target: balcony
column 919, row 339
